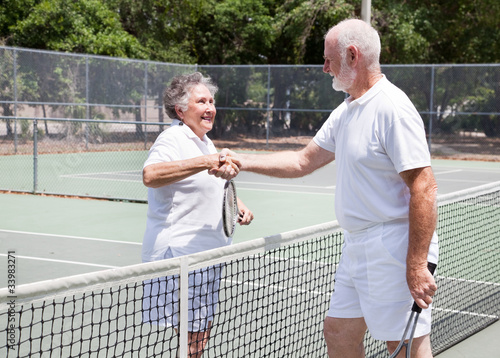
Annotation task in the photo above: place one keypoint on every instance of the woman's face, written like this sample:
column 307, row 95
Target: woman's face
column 200, row 114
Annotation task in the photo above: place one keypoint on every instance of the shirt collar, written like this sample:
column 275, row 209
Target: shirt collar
column 188, row 131
column 372, row 91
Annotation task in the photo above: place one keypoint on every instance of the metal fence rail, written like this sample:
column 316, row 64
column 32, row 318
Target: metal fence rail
column 59, row 104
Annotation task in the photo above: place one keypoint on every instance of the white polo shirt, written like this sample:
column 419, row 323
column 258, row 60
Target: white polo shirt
column 374, row 138
column 185, row 216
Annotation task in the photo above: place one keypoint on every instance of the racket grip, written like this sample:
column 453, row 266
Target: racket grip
column 431, row 267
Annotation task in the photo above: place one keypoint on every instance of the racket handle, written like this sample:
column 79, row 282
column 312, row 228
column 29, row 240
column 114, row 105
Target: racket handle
column 431, row 267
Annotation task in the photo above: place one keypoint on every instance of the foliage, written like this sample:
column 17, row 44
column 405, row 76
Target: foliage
column 85, row 26
column 164, row 27
column 234, row 31
column 404, row 33
column 11, row 12
column 448, row 31
column 301, row 26
column 251, row 31
column 214, row 32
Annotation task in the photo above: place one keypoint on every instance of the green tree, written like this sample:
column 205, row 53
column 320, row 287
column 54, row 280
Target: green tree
column 448, row 31
column 24, row 86
column 405, row 32
column 85, row 26
column 7, row 87
column 251, row 31
column 165, row 27
column 11, row 12
column 234, row 32
column 468, row 31
column 301, row 26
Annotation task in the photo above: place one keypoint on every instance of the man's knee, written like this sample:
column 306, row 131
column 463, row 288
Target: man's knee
column 344, row 334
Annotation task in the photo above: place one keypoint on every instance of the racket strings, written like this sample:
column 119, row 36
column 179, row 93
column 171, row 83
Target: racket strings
column 230, row 209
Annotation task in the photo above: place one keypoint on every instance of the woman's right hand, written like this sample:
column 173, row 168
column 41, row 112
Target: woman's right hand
column 224, row 167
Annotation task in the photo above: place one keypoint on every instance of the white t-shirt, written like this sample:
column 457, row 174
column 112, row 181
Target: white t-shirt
column 185, row 216
column 374, row 138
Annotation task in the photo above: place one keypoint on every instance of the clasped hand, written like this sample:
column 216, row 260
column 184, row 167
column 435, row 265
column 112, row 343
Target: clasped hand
column 228, row 166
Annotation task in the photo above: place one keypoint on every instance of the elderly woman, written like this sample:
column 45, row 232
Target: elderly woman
column 185, row 206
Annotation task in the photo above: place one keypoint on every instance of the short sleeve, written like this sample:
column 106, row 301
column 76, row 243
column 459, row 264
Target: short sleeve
column 406, row 144
column 325, row 137
column 165, row 149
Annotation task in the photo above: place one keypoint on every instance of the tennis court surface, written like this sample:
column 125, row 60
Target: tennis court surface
column 274, row 290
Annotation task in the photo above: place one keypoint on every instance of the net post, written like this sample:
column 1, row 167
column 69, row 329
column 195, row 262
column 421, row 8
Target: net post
column 183, row 307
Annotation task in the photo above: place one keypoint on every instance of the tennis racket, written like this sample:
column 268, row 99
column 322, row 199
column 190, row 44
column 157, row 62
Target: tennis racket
column 230, row 211
column 412, row 324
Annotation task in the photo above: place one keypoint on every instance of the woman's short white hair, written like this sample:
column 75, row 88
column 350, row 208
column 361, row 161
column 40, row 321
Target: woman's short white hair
column 360, row 34
column 179, row 91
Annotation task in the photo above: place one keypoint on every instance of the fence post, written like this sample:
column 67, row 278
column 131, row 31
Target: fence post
column 268, row 104
column 431, row 105
column 35, row 155
column 15, row 100
column 87, row 102
column 145, row 105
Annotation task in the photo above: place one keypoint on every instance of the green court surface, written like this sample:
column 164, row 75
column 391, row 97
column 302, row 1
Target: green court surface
column 279, row 205
column 56, row 236
column 118, row 175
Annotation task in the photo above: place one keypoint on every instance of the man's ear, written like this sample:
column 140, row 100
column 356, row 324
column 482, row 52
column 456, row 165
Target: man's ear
column 352, row 55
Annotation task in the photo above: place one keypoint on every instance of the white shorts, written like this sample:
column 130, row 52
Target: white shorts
column 370, row 281
column 160, row 302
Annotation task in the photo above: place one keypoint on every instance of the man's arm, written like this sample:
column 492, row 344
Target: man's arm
column 287, row 164
column 423, row 219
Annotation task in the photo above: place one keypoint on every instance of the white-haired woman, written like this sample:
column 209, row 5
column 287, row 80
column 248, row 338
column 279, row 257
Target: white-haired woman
column 185, row 206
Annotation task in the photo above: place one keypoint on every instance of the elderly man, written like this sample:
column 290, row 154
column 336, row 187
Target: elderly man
column 385, row 197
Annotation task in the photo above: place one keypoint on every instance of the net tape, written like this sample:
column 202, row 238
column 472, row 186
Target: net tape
column 273, row 296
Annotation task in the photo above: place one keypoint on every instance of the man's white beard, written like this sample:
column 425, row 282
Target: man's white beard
column 345, row 78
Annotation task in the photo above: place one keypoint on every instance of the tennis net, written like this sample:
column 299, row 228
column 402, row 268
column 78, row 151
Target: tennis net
column 272, row 297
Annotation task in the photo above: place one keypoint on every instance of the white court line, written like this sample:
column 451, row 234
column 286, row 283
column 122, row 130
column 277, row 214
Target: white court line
column 96, row 176
column 129, row 172
column 77, row 176
column 467, row 181
column 62, row 261
column 469, row 281
column 278, row 288
column 285, row 191
column 464, row 312
column 448, row 172
column 285, row 185
column 71, row 237
column 285, row 288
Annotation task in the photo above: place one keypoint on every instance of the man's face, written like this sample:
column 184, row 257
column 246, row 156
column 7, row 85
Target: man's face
column 336, row 64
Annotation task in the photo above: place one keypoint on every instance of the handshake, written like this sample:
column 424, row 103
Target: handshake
column 226, row 165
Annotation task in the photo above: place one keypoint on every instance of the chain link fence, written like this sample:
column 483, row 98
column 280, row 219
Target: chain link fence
column 81, row 125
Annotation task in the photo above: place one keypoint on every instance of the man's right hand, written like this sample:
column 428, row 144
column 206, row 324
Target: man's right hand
column 229, row 165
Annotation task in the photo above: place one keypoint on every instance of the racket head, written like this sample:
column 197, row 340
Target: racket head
column 229, row 208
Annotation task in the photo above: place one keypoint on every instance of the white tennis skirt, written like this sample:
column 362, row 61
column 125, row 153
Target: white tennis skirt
column 160, row 302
